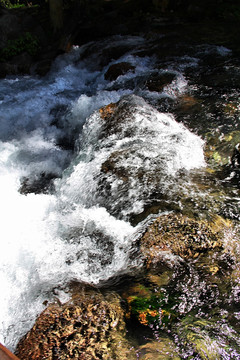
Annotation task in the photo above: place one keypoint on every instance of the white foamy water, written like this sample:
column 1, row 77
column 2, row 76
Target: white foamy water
column 80, row 230
column 140, row 152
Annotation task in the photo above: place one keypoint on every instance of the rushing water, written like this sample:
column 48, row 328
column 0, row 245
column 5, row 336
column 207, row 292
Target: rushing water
column 63, row 218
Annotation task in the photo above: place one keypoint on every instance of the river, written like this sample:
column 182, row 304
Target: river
column 63, row 218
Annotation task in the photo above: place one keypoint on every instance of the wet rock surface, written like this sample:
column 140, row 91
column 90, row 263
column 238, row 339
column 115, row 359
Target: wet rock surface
column 138, row 160
column 179, row 235
column 157, row 82
column 164, row 349
column 205, row 339
column 116, row 70
column 90, row 326
column 38, row 184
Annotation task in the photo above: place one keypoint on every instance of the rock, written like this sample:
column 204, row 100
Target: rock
column 102, row 56
column 108, row 111
column 188, row 105
column 159, row 81
column 144, row 157
column 115, row 70
column 22, row 62
column 208, row 339
column 38, row 184
column 9, row 27
column 90, row 326
column 235, row 159
column 42, row 67
column 111, row 165
column 179, row 235
column 163, row 349
column 223, row 156
column 219, row 150
column 6, row 69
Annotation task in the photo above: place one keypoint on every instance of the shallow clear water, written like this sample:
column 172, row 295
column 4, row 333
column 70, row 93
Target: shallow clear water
column 63, row 217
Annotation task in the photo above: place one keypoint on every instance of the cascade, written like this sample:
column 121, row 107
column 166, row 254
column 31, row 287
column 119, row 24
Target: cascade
column 78, row 179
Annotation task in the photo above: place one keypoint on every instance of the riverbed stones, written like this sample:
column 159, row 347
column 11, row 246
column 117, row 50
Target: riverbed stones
column 178, row 235
column 90, row 326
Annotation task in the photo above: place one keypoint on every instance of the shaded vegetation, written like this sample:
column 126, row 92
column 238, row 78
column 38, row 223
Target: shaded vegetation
column 25, row 43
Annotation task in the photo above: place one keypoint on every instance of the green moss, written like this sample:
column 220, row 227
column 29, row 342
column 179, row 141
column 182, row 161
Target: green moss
column 25, row 43
column 149, row 310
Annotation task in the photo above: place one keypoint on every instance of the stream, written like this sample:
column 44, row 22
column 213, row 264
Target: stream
column 65, row 217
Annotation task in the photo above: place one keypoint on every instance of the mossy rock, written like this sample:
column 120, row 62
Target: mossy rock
column 90, row 326
column 179, row 235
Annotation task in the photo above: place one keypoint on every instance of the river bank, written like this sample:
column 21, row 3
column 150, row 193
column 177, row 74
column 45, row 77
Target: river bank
column 29, row 45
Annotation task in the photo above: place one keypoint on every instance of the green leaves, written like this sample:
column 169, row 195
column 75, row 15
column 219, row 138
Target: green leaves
column 25, row 43
column 8, row 4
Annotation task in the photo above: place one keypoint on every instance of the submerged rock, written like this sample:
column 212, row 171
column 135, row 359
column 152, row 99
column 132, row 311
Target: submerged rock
column 179, row 235
column 90, row 326
column 208, row 339
column 115, row 70
column 159, row 81
column 163, row 349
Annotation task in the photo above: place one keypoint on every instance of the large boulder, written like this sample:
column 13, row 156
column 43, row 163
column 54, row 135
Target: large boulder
column 90, row 326
column 144, row 156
